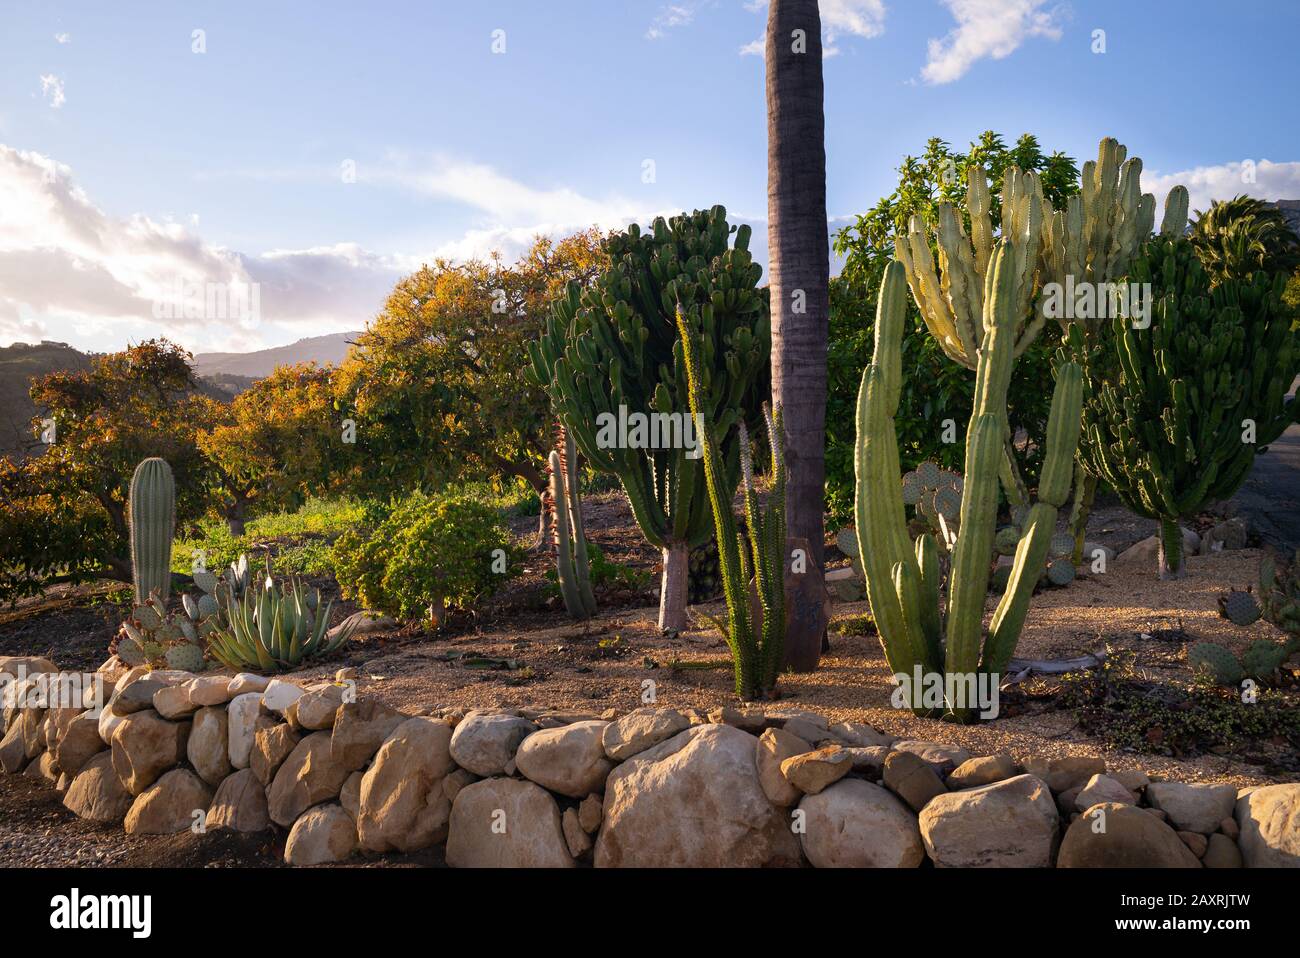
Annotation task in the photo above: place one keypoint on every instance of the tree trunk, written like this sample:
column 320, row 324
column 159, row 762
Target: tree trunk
column 1172, row 564
column 673, row 586
column 235, row 518
column 799, row 276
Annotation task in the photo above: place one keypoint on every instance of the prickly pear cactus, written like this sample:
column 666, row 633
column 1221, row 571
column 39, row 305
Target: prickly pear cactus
column 1239, row 608
column 1263, row 658
column 1060, row 572
column 1222, row 665
column 185, row 656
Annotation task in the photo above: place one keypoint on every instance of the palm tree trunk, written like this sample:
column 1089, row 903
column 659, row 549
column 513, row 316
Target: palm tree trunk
column 799, row 274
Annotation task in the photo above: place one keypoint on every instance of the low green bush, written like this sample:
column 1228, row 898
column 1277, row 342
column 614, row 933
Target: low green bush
column 432, row 551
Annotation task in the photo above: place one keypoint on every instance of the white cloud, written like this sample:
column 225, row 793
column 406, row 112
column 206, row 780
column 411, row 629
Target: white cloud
column 1271, row 181
column 67, row 267
column 859, row 18
column 63, row 38
column 52, row 90
column 987, row 28
column 670, row 17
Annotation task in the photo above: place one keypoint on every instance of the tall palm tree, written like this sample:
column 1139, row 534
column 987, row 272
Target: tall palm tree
column 799, row 274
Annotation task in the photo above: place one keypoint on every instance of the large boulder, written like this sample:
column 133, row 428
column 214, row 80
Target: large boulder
column 13, row 750
column 360, row 728
column 144, row 746
column 569, row 760
column 1009, row 824
column 694, row 800
column 943, row 757
column 1111, row 835
column 319, row 706
column 308, row 777
column 271, row 746
column 1067, row 772
column 322, row 835
column 79, row 742
column 402, row 802
column 855, row 824
column 209, row 690
column 20, row 666
column 506, row 823
column 641, row 729
column 96, row 793
column 1193, row 807
column 1269, row 820
column 208, row 747
column 810, row 772
column 773, row 747
column 486, row 742
column 172, row 804
column 1102, row 788
column 242, row 726
column 982, row 770
column 912, row 779
column 240, row 804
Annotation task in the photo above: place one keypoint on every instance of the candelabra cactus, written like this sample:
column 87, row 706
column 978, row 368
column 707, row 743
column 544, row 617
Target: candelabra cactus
column 757, row 648
column 1176, row 411
column 611, row 361
column 572, row 568
column 903, row 579
column 152, row 512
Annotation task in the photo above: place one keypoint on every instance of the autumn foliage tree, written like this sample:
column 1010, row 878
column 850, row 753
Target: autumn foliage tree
column 277, row 443
column 63, row 513
column 435, row 384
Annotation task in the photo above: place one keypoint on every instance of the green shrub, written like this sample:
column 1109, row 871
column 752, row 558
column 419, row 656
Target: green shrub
column 432, row 551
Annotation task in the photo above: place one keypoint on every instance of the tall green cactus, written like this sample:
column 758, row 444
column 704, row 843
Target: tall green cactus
column 1177, row 411
column 610, row 352
column 757, row 648
column 572, row 568
column 903, row 579
column 152, row 512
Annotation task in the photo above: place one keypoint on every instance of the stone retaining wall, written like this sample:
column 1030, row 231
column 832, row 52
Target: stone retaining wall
column 166, row 751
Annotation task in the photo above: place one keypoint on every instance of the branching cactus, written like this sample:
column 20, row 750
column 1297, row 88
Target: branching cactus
column 572, row 568
column 756, row 641
column 1176, row 411
column 903, row 578
column 611, row 361
column 152, row 512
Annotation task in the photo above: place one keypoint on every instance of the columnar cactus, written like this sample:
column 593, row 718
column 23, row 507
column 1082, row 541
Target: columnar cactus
column 572, row 569
column 152, row 513
column 610, row 357
column 757, row 648
column 1176, row 411
column 903, row 579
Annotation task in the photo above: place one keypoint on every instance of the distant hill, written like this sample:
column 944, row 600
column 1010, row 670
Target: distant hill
column 1291, row 210
column 332, row 348
column 18, row 364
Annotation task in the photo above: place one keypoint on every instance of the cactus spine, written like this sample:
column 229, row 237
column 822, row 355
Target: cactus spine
column 572, row 568
column 152, row 513
column 902, row 579
column 757, row 648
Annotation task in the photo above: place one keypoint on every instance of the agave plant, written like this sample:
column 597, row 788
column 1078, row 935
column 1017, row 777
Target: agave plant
column 273, row 627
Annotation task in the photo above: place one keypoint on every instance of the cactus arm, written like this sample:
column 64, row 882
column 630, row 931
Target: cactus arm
column 878, row 509
column 927, row 564
column 1054, row 486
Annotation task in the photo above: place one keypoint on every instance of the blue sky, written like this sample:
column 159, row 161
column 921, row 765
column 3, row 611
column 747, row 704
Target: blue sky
column 127, row 159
